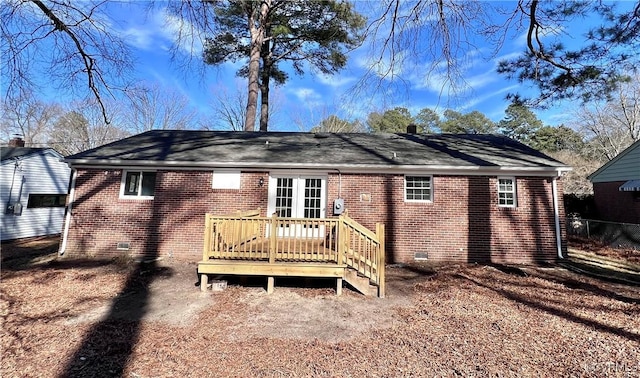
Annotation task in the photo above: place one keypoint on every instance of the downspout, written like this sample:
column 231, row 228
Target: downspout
column 556, row 215
column 67, row 221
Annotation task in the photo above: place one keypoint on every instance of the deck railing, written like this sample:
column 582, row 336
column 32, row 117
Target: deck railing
column 341, row 240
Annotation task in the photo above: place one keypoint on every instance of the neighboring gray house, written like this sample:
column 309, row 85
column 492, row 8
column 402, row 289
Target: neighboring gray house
column 616, row 187
column 33, row 191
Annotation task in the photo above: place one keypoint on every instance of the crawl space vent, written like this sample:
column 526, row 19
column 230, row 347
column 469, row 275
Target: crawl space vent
column 421, row 256
column 122, row 246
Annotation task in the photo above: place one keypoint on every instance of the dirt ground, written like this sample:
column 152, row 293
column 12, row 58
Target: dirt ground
column 118, row 318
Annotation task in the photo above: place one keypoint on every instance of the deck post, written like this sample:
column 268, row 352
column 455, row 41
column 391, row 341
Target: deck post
column 204, row 282
column 207, row 237
column 272, row 238
column 270, row 284
column 340, row 239
column 339, row 286
column 381, row 260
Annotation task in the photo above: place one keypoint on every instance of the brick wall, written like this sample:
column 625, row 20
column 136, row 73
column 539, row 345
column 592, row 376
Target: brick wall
column 170, row 224
column 462, row 223
column 614, row 205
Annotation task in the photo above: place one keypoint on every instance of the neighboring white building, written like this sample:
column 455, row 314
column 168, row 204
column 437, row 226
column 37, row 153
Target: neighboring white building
column 33, row 191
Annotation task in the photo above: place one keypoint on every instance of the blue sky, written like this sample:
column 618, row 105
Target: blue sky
column 303, row 101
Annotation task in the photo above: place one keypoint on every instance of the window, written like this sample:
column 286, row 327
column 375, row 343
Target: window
column 140, row 185
column 506, row 192
column 417, row 188
column 284, row 197
column 46, row 200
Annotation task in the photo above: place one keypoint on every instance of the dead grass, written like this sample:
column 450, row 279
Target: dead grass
column 599, row 248
column 97, row 318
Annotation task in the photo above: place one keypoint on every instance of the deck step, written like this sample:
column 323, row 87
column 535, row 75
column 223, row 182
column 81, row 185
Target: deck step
column 362, row 284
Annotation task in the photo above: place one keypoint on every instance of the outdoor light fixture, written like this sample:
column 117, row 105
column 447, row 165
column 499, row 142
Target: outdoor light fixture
column 261, row 182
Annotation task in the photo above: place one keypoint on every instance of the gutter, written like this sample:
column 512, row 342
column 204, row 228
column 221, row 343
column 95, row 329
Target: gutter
column 67, row 221
column 545, row 171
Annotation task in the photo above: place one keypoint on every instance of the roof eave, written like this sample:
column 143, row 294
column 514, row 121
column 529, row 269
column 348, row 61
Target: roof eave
column 42, row 151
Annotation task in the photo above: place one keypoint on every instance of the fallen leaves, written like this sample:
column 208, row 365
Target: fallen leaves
column 450, row 320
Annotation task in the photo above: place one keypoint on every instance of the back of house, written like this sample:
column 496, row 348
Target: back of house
column 441, row 197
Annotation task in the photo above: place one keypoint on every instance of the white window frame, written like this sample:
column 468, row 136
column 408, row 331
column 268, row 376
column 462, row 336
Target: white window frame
column 513, row 191
column 430, row 177
column 123, row 183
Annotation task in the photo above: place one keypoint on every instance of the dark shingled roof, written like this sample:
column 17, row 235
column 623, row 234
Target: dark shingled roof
column 311, row 150
column 17, row 152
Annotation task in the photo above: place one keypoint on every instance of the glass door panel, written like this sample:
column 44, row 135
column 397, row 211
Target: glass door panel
column 298, row 197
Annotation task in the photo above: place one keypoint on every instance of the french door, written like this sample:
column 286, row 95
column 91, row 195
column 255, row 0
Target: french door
column 298, row 196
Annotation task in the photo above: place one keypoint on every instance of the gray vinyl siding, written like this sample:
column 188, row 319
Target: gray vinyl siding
column 626, row 167
column 40, row 173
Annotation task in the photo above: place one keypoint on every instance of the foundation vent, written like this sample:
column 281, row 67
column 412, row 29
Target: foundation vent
column 421, row 256
column 122, row 246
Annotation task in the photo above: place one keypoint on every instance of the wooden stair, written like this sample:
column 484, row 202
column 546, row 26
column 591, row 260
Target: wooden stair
column 362, row 284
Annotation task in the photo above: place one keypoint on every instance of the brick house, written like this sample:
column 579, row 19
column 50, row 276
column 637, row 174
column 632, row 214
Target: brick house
column 468, row 198
column 616, row 187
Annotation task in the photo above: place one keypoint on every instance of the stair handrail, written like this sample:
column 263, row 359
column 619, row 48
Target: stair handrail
column 379, row 259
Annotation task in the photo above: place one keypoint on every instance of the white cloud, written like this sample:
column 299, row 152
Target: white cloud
column 496, row 95
column 385, row 67
column 335, row 81
column 508, row 56
column 308, row 96
column 461, row 79
column 141, row 38
column 190, row 42
column 160, row 30
column 434, row 82
column 521, row 40
column 478, row 81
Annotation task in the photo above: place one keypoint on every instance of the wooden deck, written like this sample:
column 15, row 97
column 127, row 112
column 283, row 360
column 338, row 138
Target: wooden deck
column 246, row 244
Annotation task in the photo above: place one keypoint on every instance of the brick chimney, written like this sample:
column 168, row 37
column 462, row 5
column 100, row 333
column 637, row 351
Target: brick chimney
column 16, row 142
column 412, row 129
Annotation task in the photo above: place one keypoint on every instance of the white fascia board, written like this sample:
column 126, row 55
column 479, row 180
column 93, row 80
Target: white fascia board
column 342, row 168
column 54, row 153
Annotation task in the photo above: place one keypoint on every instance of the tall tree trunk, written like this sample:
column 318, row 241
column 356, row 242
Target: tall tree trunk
column 267, row 64
column 256, row 28
column 264, row 103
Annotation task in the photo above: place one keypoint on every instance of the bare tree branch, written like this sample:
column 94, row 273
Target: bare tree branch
column 425, row 40
column 71, row 45
column 152, row 107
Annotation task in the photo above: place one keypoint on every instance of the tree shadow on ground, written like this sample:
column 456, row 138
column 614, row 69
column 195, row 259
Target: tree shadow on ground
column 108, row 346
column 543, row 305
column 21, row 254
